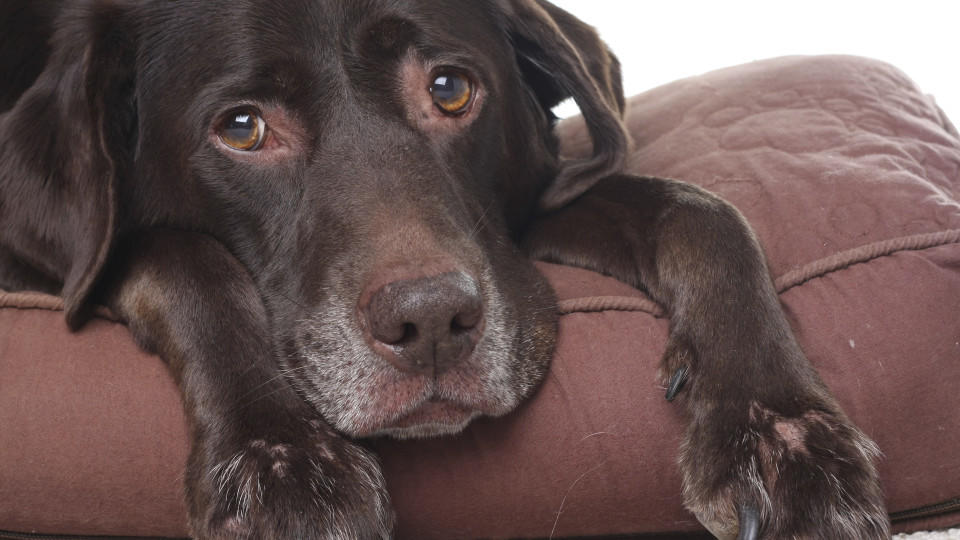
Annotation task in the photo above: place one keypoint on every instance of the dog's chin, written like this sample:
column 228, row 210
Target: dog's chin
column 361, row 394
column 432, row 419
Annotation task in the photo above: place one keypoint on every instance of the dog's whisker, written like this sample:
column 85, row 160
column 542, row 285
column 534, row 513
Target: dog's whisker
column 285, row 297
column 261, row 397
column 480, row 221
column 282, row 373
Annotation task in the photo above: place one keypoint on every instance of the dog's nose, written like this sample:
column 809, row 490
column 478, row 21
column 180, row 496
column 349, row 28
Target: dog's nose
column 428, row 323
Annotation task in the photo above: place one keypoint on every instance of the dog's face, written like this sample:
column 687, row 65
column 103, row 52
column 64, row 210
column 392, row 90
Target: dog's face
column 373, row 165
column 338, row 148
column 309, row 142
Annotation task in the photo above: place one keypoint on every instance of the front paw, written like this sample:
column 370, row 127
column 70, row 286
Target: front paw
column 308, row 485
column 808, row 476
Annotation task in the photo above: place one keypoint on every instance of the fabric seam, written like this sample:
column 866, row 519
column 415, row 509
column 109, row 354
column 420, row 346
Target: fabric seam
column 794, row 278
column 594, row 304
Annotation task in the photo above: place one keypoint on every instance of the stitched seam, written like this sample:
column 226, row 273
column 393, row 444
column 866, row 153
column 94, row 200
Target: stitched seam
column 30, row 300
column 793, row 278
column 843, row 259
column 594, row 304
column 45, row 302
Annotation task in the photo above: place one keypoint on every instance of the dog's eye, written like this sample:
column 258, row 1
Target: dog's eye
column 451, row 92
column 243, row 129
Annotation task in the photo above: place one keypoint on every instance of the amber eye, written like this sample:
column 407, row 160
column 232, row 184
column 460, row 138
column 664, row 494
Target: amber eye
column 243, row 130
column 451, row 92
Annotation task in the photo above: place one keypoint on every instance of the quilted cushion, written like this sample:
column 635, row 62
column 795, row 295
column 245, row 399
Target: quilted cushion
column 850, row 176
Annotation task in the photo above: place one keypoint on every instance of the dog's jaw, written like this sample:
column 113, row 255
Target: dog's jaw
column 432, row 419
column 362, row 395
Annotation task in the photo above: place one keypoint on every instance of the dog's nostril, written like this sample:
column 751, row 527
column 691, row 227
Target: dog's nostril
column 466, row 320
column 409, row 334
column 388, row 334
column 396, row 333
column 429, row 323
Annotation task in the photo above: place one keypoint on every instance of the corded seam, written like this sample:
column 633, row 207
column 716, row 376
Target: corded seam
column 593, row 304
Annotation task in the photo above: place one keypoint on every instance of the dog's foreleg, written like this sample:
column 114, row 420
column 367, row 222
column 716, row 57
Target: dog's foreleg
column 263, row 464
column 766, row 444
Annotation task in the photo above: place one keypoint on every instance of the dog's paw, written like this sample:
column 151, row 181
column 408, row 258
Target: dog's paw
column 312, row 486
column 750, row 472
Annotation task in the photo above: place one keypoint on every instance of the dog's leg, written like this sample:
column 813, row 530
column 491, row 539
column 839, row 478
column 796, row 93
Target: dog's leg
column 767, row 444
column 262, row 464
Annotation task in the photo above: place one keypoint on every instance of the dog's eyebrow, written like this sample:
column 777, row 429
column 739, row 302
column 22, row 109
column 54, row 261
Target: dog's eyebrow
column 447, row 57
column 277, row 79
column 438, row 54
column 396, row 34
column 389, row 33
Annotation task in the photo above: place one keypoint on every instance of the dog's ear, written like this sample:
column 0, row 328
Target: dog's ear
column 562, row 57
column 65, row 143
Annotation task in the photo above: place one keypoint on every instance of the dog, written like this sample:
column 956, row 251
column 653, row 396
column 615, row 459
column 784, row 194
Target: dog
column 323, row 215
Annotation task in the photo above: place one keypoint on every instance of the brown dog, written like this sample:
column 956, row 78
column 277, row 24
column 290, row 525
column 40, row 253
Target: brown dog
column 322, row 215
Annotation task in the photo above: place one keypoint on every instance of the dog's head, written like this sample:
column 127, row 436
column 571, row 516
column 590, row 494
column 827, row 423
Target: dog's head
column 371, row 163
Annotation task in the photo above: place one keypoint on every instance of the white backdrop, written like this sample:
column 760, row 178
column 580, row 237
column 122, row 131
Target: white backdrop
column 661, row 41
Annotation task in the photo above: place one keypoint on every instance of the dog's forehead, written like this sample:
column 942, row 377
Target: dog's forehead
column 319, row 27
column 218, row 46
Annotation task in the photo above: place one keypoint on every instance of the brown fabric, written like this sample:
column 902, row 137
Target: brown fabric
column 848, row 173
column 92, row 437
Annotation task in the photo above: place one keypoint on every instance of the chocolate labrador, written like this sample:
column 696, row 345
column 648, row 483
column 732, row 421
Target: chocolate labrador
column 322, row 215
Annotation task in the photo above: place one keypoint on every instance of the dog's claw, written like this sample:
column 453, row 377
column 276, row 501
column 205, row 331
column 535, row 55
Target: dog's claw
column 749, row 523
column 676, row 383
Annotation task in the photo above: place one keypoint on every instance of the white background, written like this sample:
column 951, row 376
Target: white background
column 661, row 41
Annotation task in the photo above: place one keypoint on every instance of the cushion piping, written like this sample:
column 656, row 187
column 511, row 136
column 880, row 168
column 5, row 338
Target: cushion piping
column 591, row 304
column 843, row 259
column 793, row 278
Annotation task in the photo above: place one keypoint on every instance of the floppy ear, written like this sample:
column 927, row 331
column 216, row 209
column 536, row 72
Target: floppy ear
column 563, row 57
column 62, row 148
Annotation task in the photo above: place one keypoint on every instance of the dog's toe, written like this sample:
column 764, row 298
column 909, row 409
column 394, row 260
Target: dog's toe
column 808, row 477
